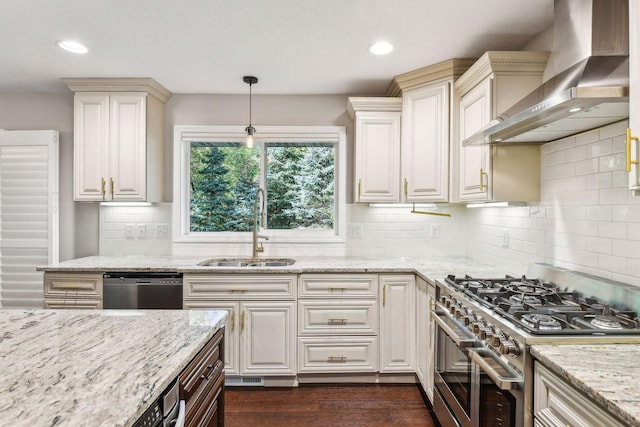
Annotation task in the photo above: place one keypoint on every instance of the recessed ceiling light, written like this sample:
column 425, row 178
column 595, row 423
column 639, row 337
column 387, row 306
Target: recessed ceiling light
column 72, row 46
column 381, row 48
column 575, row 109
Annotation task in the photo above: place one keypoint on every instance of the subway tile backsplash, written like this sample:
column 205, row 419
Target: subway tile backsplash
column 586, row 220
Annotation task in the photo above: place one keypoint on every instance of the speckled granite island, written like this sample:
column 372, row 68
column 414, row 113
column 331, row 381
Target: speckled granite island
column 93, row 368
column 607, row 373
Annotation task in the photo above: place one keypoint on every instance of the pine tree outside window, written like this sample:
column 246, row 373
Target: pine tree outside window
column 300, row 168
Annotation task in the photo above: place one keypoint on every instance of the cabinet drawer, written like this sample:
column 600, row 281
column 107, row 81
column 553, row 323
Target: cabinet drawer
column 207, row 412
column 338, row 317
column 70, row 302
column 240, row 287
column 197, row 378
column 339, row 285
column 335, row 354
column 72, row 285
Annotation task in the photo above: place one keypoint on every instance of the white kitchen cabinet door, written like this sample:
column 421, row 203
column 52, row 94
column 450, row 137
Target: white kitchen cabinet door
column 475, row 113
column 633, row 150
column 397, row 323
column 231, row 333
column 425, row 143
column 422, row 331
column 91, row 146
column 127, row 147
column 268, row 338
column 377, row 176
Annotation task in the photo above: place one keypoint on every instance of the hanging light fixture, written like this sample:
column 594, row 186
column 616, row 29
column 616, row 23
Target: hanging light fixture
column 250, row 80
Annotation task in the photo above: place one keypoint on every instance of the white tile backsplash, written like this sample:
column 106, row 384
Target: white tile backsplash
column 592, row 228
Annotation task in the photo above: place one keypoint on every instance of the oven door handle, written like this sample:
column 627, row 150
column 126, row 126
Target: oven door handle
column 460, row 341
column 512, row 382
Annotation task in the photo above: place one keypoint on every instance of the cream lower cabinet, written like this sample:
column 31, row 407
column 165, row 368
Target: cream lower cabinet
column 557, row 403
column 425, row 330
column 72, row 290
column 260, row 339
column 337, row 323
column 397, row 323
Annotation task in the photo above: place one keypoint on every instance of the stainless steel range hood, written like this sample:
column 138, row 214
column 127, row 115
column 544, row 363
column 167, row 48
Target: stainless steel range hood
column 586, row 80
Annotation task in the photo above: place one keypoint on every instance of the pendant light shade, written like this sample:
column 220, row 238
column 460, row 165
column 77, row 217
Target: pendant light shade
column 250, row 80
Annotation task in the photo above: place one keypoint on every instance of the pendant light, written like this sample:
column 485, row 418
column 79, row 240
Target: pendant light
column 250, row 80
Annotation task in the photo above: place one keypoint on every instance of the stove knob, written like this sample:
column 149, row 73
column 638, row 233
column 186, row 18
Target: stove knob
column 476, row 327
column 446, row 301
column 452, row 309
column 466, row 320
column 495, row 340
column 483, row 333
column 509, row 347
column 457, row 313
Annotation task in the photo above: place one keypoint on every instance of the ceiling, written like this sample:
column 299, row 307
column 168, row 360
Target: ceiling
column 292, row 46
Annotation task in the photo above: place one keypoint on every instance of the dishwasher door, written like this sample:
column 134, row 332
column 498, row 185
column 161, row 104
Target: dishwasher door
column 142, row 291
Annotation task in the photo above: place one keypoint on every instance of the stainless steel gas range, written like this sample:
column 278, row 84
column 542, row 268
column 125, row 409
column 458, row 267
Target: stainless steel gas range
column 485, row 327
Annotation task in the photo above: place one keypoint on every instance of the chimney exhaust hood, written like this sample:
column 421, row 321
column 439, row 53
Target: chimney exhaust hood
column 586, row 79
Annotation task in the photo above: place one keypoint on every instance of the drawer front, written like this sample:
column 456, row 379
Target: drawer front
column 202, row 371
column 337, row 317
column 240, row 287
column 335, row 354
column 72, row 303
column 339, row 285
column 72, row 285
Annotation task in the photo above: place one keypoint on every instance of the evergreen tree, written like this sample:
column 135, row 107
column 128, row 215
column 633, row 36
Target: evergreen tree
column 244, row 169
column 315, row 207
column 211, row 205
column 283, row 186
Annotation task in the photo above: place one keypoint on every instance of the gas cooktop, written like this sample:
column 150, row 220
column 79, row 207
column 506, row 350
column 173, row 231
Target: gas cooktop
column 543, row 308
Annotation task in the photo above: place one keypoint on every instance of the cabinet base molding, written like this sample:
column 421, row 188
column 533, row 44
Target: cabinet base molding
column 409, row 378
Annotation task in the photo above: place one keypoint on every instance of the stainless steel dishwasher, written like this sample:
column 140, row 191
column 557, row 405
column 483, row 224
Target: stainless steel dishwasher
column 134, row 290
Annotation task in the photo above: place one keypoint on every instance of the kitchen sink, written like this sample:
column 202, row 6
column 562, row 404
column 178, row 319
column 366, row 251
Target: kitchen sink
column 247, row 262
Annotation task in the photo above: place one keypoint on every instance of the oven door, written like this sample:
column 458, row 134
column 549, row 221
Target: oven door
column 453, row 371
column 497, row 396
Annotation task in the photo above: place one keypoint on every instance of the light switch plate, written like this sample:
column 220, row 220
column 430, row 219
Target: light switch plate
column 141, row 231
column 130, row 231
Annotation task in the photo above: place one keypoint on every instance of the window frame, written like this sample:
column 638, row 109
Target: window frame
column 184, row 135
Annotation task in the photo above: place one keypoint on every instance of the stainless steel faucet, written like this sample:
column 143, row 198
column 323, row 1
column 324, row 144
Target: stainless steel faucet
column 257, row 246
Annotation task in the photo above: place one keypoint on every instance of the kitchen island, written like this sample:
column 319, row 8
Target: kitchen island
column 94, row 368
column 606, row 373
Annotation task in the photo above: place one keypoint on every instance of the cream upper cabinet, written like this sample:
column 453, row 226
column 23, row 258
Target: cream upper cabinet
column 377, row 148
column 633, row 146
column 118, row 139
column 491, row 85
column 425, row 143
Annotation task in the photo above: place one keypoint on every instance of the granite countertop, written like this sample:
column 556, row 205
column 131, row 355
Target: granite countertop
column 430, row 268
column 608, row 373
column 93, row 368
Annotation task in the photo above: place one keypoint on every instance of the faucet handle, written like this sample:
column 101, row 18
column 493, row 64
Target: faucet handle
column 261, row 236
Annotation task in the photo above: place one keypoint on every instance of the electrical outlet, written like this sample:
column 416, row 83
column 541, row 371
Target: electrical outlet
column 130, row 231
column 505, row 237
column 162, row 231
column 434, row 230
column 141, row 231
column 355, row 231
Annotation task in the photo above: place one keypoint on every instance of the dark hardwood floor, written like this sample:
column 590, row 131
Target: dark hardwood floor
column 326, row 405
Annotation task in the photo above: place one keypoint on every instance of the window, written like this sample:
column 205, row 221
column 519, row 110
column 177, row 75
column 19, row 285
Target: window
column 300, row 170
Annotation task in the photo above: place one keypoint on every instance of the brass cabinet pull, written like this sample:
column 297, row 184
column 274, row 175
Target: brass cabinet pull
column 406, row 187
column 384, row 295
column 233, row 320
column 238, row 291
column 359, row 187
column 334, row 358
column 332, row 289
column 102, row 187
column 482, row 175
column 242, row 321
column 629, row 139
column 337, row 321
column 112, row 185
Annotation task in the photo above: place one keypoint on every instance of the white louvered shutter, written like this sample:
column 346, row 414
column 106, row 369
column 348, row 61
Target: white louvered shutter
column 28, row 214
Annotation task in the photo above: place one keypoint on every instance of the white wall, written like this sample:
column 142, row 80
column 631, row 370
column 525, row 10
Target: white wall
column 587, row 219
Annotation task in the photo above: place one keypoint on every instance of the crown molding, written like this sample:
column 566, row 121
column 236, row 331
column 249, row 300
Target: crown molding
column 369, row 104
column 450, row 69
column 143, row 84
column 502, row 62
